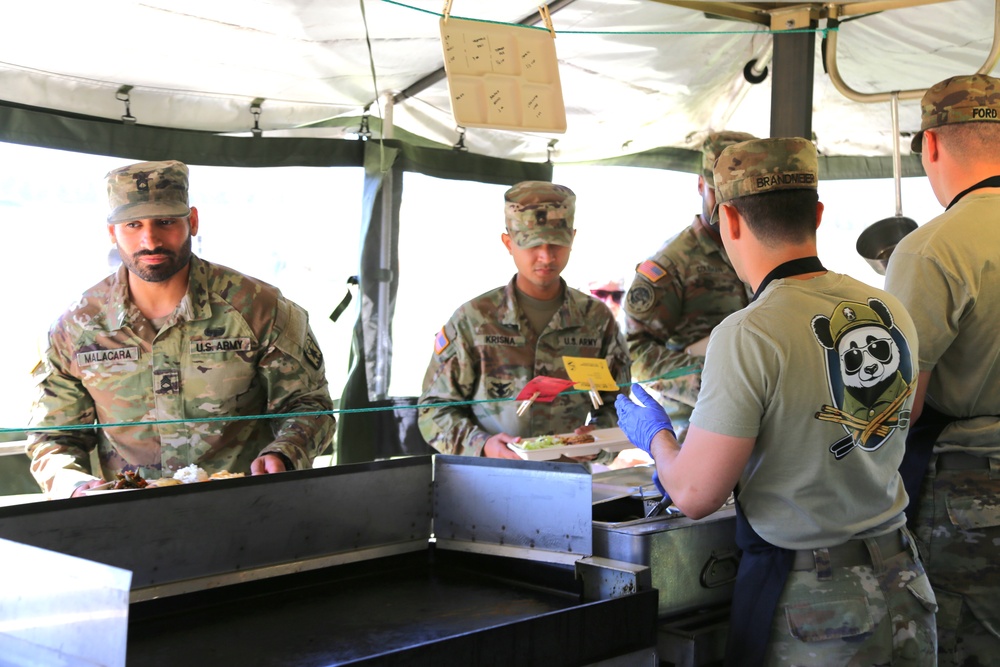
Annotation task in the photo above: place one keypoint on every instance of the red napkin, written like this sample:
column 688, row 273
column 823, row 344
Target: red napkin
column 547, row 388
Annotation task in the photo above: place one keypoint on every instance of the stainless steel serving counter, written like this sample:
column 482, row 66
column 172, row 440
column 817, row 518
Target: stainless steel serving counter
column 418, row 561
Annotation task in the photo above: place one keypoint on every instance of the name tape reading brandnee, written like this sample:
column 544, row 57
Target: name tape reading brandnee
column 792, row 178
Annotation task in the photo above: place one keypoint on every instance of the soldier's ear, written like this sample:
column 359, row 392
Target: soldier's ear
column 193, row 221
column 111, row 234
column 730, row 218
column 507, row 241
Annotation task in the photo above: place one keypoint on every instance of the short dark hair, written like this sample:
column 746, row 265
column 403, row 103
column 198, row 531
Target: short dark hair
column 971, row 141
column 780, row 216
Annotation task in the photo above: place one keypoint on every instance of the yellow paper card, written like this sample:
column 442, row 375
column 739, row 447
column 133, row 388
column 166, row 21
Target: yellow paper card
column 583, row 371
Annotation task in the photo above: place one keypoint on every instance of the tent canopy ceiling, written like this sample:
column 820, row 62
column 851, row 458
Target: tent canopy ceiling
column 636, row 75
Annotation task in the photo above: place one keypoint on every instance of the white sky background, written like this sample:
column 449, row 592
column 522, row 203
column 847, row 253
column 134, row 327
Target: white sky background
column 298, row 228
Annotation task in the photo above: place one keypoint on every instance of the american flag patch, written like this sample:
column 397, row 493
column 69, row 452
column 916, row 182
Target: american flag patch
column 651, row 270
column 440, row 342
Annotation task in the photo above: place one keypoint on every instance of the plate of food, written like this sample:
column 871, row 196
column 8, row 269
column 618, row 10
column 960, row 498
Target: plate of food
column 194, row 474
column 127, row 481
column 548, row 447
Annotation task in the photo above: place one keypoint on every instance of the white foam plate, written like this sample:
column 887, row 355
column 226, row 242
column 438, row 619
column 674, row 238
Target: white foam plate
column 97, row 492
column 607, row 439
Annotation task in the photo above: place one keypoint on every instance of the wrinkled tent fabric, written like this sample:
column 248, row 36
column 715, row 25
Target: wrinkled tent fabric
column 626, row 92
column 356, row 438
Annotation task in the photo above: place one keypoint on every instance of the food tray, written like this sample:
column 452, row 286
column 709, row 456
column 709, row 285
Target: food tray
column 607, row 439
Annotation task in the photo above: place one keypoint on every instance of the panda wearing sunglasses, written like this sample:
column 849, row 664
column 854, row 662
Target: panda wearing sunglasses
column 865, row 357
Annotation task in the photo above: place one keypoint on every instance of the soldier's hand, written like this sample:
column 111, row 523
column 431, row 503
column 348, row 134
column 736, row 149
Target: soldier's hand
column 81, row 490
column 496, row 447
column 266, row 464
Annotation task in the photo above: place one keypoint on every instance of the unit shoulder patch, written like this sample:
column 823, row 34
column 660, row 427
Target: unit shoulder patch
column 312, row 353
column 640, row 299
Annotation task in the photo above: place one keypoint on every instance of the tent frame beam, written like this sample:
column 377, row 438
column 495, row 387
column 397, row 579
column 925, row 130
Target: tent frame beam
column 771, row 14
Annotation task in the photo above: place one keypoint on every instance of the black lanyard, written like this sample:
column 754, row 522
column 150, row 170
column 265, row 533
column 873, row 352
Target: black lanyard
column 991, row 182
column 790, row 268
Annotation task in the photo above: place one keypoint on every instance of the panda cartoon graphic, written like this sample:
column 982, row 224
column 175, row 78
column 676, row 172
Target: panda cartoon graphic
column 868, row 363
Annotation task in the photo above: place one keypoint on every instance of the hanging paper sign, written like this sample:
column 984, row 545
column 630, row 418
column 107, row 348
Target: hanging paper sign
column 585, row 371
column 502, row 76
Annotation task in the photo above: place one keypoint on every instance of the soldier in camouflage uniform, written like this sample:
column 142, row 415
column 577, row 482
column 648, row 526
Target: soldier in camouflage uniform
column 679, row 294
column 494, row 344
column 945, row 274
column 829, row 575
column 170, row 337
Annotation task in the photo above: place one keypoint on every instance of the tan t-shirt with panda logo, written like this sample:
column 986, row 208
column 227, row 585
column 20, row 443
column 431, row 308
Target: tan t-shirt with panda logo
column 821, row 372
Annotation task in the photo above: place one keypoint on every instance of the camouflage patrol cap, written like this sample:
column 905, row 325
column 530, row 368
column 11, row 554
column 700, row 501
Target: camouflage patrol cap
column 538, row 212
column 713, row 145
column 959, row 99
column 765, row 165
column 148, row 190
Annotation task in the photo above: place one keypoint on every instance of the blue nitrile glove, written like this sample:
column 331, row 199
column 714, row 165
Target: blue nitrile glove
column 639, row 423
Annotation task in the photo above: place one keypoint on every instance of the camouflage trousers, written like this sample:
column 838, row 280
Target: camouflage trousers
column 958, row 531
column 863, row 615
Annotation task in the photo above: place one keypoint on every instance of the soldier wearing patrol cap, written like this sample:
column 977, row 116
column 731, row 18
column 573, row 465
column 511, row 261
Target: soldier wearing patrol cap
column 167, row 345
column 494, row 344
column 679, row 294
column 944, row 274
column 804, row 408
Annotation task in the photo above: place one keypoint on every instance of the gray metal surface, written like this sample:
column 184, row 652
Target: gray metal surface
column 645, row 658
column 405, row 611
column 693, row 563
column 71, row 613
column 239, row 529
column 534, row 510
column 343, row 561
column 604, row 578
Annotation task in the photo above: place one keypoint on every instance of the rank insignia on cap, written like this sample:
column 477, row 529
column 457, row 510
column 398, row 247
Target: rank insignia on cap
column 440, row 342
column 651, row 270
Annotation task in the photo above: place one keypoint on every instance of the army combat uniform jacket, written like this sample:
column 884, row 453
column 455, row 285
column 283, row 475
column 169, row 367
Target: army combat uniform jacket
column 487, row 351
column 233, row 347
column 677, row 297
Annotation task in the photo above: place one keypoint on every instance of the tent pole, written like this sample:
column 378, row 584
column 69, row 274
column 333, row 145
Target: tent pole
column 383, row 347
column 792, row 84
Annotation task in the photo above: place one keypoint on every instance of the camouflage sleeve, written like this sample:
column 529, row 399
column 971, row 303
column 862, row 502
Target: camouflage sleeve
column 451, row 376
column 60, row 460
column 293, row 372
column 653, row 312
